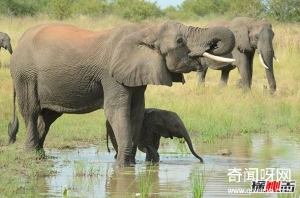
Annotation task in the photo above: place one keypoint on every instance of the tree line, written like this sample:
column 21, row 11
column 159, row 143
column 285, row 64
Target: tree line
column 137, row 10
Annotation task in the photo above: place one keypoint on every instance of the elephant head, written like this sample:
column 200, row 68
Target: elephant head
column 159, row 54
column 5, row 42
column 166, row 124
column 254, row 35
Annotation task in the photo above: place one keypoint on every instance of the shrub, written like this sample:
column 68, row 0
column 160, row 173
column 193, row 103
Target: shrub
column 60, row 9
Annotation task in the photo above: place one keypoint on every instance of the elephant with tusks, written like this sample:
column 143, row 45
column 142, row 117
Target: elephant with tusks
column 61, row 68
column 250, row 35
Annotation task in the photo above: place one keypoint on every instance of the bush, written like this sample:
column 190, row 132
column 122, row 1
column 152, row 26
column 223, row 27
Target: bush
column 90, row 7
column 136, row 10
column 19, row 7
column 60, row 9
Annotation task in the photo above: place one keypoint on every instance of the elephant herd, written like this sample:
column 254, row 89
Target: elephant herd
column 60, row 68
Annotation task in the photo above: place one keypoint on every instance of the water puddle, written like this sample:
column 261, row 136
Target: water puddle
column 88, row 172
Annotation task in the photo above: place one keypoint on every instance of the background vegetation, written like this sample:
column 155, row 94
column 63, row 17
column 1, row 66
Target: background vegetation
column 137, row 10
column 210, row 113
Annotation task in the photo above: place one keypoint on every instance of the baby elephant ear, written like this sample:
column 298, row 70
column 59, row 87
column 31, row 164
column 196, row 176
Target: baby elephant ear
column 137, row 61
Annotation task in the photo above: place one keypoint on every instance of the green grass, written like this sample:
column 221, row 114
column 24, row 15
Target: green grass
column 84, row 169
column 210, row 113
column 199, row 180
column 145, row 182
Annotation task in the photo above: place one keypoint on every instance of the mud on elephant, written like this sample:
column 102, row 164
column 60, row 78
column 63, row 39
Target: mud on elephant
column 5, row 42
column 60, row 68
column 157, row 123
column 250, row 35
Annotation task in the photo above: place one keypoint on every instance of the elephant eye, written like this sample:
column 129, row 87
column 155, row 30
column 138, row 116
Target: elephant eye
column 179, row 40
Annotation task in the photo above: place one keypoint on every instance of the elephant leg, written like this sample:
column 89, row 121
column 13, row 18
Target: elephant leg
column 136, row 118
column 29, row 109
column 45, row 119
column 152, row 155
column 202, row 75
column 244, row 70
column 251, row 57
column 122, row 130
column 224, row 78
column 124, row 109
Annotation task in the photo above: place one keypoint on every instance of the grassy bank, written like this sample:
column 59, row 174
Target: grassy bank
column 209, row 113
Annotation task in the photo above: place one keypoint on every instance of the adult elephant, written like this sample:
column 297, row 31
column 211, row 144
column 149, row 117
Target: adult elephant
column 157, row 123
column 5, row 42
column 250, row 35
column 59, row 68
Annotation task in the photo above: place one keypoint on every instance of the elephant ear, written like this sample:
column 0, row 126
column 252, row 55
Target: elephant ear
column 160, row 123
column 241, row 34
column 137, row 60
column 154, row 119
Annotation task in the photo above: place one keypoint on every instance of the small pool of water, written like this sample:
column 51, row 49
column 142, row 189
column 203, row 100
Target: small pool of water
column 89, row 172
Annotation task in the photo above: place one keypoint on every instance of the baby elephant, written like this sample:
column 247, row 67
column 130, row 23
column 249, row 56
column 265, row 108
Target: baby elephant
column 5, row 42
column 156, row 123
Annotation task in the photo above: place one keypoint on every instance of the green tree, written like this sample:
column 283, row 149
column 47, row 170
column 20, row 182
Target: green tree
column 247, row 8
column 136, row 10
column 90, row 7
column 60, row 9
column 172, row 12
column 19, row 7
column 285, row 11
column 204, row 7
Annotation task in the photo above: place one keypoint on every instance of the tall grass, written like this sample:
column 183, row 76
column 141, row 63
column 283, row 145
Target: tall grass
column 209, row 113
column 145, row 182
column 199, row 181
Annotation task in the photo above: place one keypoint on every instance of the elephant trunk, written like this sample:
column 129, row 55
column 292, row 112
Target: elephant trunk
column 216, row 40
column 266, row 55
column 9, row 48
column 189, row 143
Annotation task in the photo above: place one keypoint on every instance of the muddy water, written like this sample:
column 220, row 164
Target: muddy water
column 88, row 172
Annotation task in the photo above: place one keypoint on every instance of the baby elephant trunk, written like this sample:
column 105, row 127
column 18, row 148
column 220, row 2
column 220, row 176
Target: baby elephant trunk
column 189, row 143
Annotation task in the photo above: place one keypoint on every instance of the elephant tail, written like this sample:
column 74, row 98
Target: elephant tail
column 107, row 142
column 13, row 125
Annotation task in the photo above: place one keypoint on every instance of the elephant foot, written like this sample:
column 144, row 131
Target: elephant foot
column 38, row 153
column 151, row 159
column 239, row 84
column 152, row 163
column 124, row 162
column 132, row 161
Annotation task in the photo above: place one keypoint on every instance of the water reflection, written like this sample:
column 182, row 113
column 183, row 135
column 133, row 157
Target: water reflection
column 89, row 173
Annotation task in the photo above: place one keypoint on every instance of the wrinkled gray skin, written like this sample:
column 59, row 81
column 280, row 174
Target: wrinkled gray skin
column 157, row 123
column 5, row 42
column 59, row 68
column 250, row 35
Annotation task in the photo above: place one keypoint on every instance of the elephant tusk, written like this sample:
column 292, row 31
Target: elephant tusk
column 218, row 58
column 262, row 61
column 276, row 58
